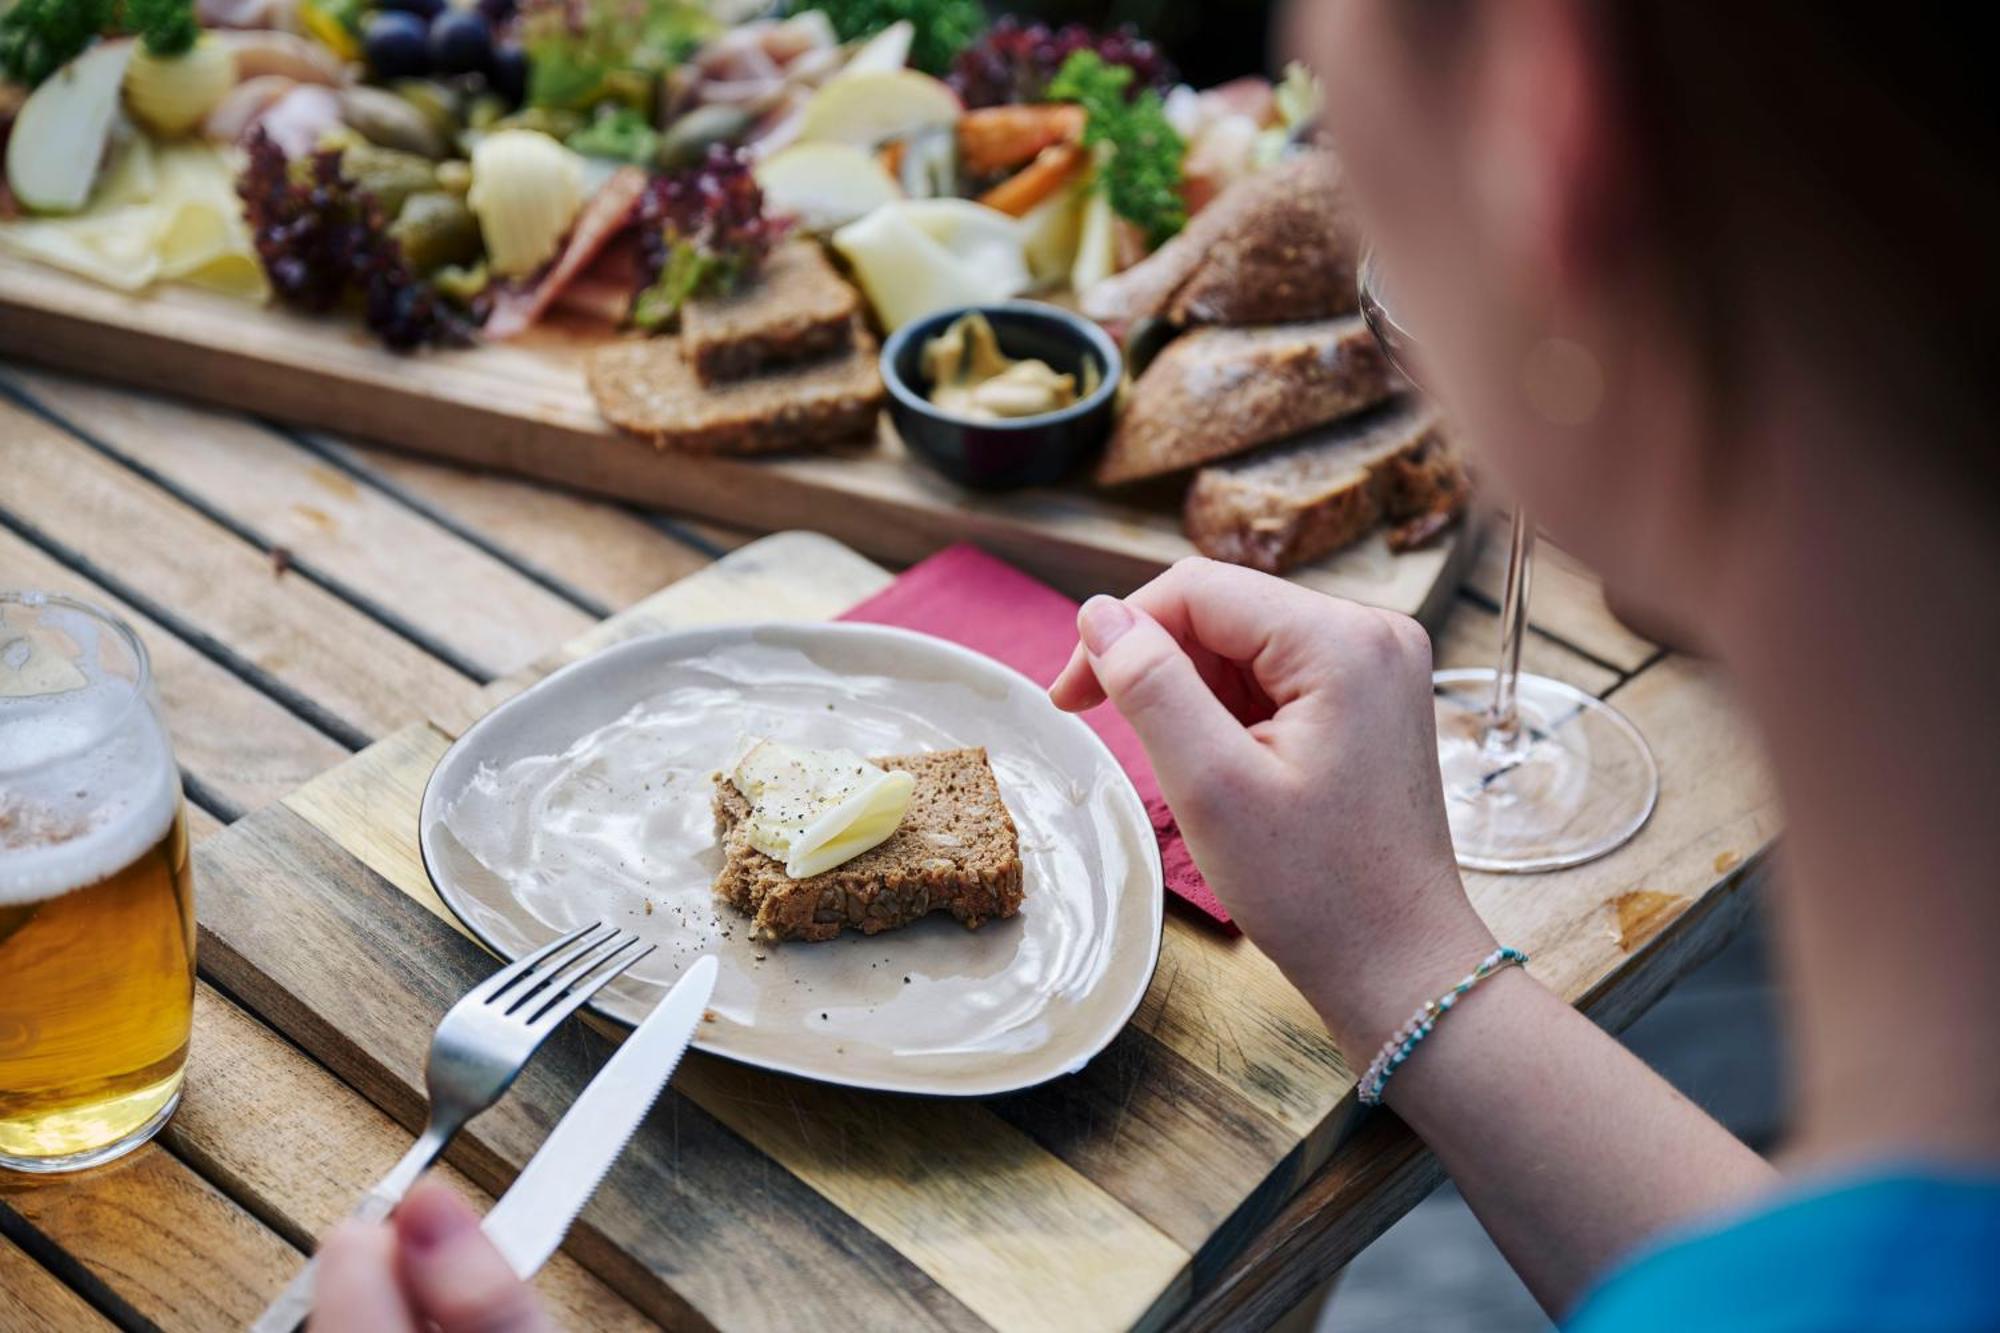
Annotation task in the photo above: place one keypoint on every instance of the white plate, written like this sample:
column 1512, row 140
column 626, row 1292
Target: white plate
column 588, row 797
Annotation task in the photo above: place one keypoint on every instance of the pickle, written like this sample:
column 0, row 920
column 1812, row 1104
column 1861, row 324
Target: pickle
column 389, row 175
column 436, row 229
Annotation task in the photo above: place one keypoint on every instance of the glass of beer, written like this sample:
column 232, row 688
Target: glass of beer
column 96, row 901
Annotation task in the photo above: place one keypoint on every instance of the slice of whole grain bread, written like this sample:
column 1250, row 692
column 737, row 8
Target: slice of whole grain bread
column 1271, row 247
column 1301, row 499
column 1216, row 392
column 956, row 851
column 645, row 385
column 795, row 308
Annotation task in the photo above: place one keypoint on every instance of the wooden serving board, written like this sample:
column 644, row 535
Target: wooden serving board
column 1106, row 1200
column 523, row 408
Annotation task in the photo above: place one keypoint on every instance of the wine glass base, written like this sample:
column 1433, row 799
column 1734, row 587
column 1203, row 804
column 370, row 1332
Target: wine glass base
column 1577, row 782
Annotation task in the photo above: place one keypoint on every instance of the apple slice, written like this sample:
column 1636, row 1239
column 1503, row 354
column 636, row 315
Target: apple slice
column 825, row 185
column 866, row 109
column 61, row 132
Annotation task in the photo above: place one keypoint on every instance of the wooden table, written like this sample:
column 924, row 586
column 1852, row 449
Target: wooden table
column 305, row 599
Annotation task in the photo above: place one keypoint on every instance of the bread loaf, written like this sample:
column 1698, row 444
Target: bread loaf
column 1213, row 393
column 1324, row 490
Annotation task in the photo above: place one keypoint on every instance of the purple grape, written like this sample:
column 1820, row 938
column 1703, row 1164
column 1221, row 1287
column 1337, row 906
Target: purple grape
column 423, row 9
column 508, row 75
column 397, row 45
column 461, row 43
column 498, row 12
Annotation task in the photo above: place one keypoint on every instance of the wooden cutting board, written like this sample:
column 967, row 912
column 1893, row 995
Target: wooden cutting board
column 523, row 408
column 1100, row 1201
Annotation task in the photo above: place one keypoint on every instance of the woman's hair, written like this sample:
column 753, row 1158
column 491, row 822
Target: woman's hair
column 1841, row 157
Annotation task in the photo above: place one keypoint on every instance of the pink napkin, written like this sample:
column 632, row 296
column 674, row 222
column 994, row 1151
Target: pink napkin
column 964, row 595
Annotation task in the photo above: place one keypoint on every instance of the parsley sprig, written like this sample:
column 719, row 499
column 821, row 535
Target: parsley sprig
column 1139, row 152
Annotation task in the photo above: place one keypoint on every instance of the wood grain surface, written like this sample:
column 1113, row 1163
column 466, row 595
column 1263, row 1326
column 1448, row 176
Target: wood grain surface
column 1169, row 1153
column 523, row 408
column 1215, row 1137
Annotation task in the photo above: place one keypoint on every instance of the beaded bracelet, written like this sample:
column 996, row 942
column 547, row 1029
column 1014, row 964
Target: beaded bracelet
column 1397, row 1049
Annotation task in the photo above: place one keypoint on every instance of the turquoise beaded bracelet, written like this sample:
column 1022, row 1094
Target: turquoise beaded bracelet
column 1397, row 1049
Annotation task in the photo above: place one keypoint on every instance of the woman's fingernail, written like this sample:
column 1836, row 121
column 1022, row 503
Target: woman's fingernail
column 1102, row 622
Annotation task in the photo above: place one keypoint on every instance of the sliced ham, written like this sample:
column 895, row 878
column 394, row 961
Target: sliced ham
column 608, row 213
column 603, row 291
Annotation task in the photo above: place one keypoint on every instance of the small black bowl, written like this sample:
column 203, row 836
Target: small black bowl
column 1023, row 451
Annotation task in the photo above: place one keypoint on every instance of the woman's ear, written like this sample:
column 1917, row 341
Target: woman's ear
column 1551, row 150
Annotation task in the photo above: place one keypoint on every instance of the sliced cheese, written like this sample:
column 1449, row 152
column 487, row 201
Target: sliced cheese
column 815, row 809
column 159, row 214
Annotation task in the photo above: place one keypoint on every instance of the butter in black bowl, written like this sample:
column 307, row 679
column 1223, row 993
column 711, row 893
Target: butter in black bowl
column 1001, row 452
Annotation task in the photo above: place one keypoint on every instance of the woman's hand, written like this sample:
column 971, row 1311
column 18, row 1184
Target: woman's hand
column 430, row 1267
column 1292, row 734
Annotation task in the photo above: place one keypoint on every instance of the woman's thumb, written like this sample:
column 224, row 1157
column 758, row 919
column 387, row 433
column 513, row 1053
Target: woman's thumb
column 457, row 1281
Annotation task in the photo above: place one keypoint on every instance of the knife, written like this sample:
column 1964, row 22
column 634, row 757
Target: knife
column 531, row 1219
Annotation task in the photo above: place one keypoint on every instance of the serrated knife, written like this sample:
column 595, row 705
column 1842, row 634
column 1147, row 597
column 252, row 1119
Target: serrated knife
column 531, row 1219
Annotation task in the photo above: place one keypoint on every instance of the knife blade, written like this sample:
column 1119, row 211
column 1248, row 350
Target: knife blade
column 531, row 1219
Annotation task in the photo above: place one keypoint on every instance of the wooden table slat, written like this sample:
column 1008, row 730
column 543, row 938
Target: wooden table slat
column 333, row 659
column 475, row 609
column 33, row 1300
column 597, row 551
column 157, row 1239
column 244, row 749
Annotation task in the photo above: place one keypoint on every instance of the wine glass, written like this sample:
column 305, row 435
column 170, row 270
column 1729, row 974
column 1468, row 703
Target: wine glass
column 1538, row 774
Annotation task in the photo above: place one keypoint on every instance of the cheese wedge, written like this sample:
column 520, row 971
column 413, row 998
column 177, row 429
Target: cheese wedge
column 814, row 809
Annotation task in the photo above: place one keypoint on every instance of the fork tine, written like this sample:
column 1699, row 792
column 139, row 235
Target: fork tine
column 554, row 979
column 506, row 977
column 564, row 1004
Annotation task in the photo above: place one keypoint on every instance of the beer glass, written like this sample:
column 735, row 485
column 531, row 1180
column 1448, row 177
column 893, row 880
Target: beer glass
column 96, row 901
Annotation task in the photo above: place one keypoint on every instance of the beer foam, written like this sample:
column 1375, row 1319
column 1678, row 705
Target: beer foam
column 87, row 784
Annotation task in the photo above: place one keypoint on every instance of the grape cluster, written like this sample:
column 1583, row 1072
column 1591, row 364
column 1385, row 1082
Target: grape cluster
column 413, row 39
column 1014, row 61
column 321, row 238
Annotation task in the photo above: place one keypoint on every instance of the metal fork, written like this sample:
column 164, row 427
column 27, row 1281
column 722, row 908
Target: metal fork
column 480, row 1047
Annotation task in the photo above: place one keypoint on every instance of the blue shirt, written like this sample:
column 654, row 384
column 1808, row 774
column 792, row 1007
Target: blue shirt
column 1917, row 1252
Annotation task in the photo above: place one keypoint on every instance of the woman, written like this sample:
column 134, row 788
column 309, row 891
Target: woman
column 1708, row 285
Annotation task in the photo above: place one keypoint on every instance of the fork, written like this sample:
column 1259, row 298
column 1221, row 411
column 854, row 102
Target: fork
column 481, row 1046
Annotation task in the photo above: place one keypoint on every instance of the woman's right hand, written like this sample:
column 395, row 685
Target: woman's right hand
column 1292, row 734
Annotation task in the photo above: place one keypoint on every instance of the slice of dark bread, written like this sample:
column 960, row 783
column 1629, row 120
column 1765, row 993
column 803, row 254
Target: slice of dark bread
column 646, row 386
column 1217, row 392
column 1274, row 246
column 1324, row 490
column 795, row 308
column 956, row 851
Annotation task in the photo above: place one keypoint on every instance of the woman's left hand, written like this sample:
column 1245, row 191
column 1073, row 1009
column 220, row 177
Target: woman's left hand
column 429, row 1267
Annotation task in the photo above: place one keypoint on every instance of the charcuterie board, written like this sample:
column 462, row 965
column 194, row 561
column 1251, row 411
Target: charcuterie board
column 523, row 408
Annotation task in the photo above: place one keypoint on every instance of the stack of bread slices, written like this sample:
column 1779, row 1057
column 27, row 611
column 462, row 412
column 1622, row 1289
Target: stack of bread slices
column 1300, row 436
column 782, row 362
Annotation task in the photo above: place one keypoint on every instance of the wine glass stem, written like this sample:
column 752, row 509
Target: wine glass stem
column 1503, row 723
